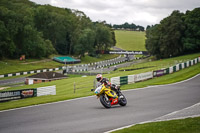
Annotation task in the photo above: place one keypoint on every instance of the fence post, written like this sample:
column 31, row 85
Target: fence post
column 94, row 84
column 74, row 87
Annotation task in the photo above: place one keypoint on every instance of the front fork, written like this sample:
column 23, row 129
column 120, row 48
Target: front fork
column 106, row 97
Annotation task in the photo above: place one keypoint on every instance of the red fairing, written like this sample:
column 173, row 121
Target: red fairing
column 114, row 101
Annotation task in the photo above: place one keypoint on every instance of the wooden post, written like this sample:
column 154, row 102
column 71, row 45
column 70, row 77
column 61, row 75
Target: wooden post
column 94, row 84
column 74, row 87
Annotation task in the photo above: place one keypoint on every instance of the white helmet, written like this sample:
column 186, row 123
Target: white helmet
column 99, row 77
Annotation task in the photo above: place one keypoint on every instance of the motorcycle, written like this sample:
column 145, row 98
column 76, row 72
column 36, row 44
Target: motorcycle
column 109, row 97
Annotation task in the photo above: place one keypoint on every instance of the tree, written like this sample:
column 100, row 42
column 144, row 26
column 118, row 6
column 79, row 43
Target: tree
column 86, row 42
column 148, row 27
column 35, row 45
column 40, row 30
column 53, row 23
column 7, row 47
column 141, row 28
column 191, row 40
column 172, row 33
column 165, row 40
column 152, row 42
column 126, row 25
column 104, row 37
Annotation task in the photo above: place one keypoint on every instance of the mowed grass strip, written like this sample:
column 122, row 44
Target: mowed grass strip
column 189, row 125
column 65, row 87
column 130, row 40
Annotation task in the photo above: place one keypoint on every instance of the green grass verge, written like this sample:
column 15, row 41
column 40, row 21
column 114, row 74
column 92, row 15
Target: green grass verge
column 65, row 90
column 189, row 125
column 130, row 40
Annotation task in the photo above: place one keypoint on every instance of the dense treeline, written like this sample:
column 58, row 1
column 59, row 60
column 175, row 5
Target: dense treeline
column 27, row 28
column 176, row 34
column 128, row 26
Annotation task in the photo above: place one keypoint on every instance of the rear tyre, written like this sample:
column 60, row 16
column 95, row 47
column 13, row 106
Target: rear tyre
column 123, row 100
column 105, row 102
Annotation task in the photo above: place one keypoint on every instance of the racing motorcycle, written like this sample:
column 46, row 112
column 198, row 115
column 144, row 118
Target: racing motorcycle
column 108, row 97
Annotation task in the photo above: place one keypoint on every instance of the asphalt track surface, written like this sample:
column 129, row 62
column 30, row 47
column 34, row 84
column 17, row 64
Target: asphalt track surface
column 12, row 81
column 87, row 115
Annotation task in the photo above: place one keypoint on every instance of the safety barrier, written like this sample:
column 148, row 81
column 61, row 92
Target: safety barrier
column 26, row 93
column 30, row 72
column 131, row 78
column 48, row 90
column 149, row 75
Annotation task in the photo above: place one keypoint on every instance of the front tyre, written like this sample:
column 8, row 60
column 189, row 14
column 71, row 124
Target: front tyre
column 105, row 101
column 122, row 101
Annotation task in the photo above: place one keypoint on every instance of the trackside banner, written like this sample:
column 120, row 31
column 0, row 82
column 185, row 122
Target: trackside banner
column 122, row 52
column 159, row 73
column 127, row 52
column 17, row 94
column 143, row 76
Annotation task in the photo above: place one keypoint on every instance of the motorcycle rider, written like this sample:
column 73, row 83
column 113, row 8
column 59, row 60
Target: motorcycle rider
column 106, row 82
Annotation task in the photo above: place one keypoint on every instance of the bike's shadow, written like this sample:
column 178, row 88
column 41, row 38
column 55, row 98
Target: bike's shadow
column 113, row 107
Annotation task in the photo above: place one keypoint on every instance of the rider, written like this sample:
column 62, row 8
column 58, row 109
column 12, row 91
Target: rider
column 106, row 82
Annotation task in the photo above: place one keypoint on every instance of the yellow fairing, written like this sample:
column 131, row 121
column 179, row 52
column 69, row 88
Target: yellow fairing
column 108, row 92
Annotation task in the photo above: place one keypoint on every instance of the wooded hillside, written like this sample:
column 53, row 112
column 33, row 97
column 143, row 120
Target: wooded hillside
column 27, row 28
column 176, row 34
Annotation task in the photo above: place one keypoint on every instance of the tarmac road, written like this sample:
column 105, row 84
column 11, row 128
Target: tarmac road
column 87, row 115
column 12, row 81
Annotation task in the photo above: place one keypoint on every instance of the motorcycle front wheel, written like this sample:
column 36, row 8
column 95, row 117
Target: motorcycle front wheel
column 123, row 101
column 105, row 101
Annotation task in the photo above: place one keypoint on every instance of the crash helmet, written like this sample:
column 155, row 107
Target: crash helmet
column 99, row 77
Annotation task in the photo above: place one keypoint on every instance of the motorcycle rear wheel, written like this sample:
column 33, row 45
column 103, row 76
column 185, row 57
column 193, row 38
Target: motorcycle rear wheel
column 106, row 103
column 123, row 101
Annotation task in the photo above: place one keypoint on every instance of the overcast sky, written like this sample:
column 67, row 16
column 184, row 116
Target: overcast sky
column 139, row 12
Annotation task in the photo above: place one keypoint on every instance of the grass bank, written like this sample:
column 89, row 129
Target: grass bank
column 189, row 125
column 130, row 40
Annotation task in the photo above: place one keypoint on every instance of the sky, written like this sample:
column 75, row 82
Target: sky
column 139, row 12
